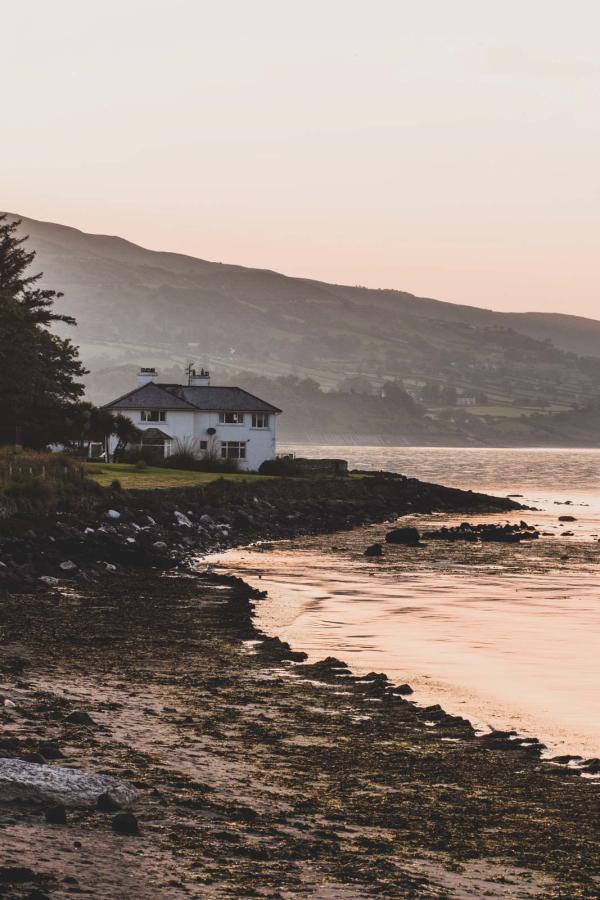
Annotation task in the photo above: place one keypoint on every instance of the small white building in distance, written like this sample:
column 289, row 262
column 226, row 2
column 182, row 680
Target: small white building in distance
column 220, row 422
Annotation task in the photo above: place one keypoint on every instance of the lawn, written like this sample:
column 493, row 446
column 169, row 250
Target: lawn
column 155, row 477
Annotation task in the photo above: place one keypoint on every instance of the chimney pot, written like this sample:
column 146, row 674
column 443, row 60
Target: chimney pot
column 201, row 379
column 146, row 375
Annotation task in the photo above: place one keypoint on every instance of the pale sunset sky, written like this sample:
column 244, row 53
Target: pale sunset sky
column 450, row 148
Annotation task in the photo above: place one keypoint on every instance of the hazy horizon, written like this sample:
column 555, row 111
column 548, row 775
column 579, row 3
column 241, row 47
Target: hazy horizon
column 446, row 151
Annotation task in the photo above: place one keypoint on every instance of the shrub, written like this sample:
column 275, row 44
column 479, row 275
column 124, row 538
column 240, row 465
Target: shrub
column 183, row 458
column 115, row 485
column 147, row 455
column 33, row 490
column 186, row 459
column 141, row 464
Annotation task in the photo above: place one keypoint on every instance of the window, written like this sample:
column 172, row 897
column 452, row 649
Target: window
column 204, row 445
column 153, row 415
column 231, row 418
column 233, row 449
column 260, row 420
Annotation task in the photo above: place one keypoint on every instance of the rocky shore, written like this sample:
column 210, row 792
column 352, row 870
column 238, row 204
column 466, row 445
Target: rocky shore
column 155, row 744
column 94, row 532
column 213, row 761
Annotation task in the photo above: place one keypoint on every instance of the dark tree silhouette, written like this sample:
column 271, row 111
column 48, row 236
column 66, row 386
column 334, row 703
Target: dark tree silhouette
column 38, row 369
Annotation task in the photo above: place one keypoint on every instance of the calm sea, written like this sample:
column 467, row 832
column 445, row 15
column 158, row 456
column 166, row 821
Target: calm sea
column 506, row 635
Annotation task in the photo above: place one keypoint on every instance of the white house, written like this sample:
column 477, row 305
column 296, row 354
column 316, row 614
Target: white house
column 223, row 422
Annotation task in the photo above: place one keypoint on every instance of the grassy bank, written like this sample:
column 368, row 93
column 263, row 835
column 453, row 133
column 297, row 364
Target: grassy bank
column 132, row 478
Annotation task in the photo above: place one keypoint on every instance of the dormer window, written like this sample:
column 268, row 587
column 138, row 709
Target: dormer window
column 153, row 415
column 231, row 418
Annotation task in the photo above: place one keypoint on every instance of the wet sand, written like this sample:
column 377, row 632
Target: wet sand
column 258, row 777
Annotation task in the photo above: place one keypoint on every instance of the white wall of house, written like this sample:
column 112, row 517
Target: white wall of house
column 189, row 428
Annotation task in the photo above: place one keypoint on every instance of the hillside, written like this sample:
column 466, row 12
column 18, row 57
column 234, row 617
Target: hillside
column 134, row 304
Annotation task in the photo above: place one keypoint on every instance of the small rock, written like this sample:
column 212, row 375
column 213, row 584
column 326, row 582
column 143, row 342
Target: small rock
column 113, row 514
column 56, row 815
column 67, row 566
column 49, row 580
column 125, row 823
column 182, row 519
column 50, row 750
column 567, row 519
column 79, row 717
column 160, row 545
column 107, row 803
column 408, row 536
column 35, row 758
column 374, row 550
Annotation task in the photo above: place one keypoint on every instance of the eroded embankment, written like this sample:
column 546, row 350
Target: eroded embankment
column 92, row 532
column 258, row 775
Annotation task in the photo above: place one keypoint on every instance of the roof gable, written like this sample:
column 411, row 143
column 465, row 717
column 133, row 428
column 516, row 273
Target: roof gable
column 149, row 396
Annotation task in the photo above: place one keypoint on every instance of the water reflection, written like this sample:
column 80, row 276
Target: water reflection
column 506, row 634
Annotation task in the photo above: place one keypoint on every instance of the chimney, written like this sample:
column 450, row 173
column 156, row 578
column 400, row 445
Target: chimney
column 146, row 375
column 199, row 379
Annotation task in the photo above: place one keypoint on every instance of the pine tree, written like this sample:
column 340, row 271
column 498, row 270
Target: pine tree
column 38, row 369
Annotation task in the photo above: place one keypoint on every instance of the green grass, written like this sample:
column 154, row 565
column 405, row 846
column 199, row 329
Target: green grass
column 155, row 477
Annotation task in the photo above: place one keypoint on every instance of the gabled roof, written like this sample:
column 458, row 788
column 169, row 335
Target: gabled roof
column 149, row 396
column 202, row 397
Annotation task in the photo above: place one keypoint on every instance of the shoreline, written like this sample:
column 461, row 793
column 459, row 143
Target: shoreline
column 458, row 621
column 97, row 531
column 256, row 772
column 423, row 695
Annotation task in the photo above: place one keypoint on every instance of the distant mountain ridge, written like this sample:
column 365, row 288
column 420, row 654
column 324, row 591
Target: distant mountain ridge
column 130, row 300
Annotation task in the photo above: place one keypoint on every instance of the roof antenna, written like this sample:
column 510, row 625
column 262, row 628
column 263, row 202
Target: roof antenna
column 190, row 372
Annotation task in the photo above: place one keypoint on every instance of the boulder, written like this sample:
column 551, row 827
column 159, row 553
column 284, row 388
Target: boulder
column 28, row 781
column 567, row 519
column 407, row 536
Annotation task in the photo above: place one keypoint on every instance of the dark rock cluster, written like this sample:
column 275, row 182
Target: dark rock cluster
column 510, row 533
